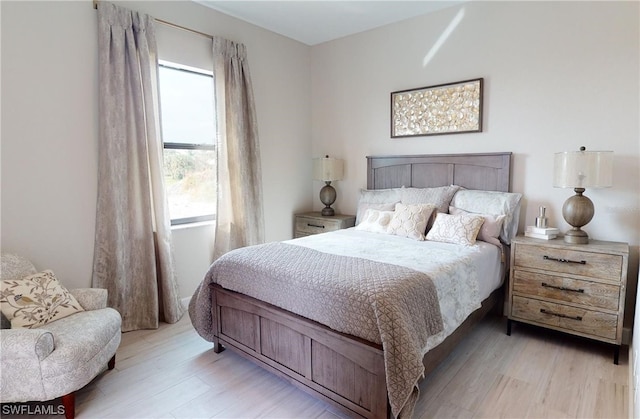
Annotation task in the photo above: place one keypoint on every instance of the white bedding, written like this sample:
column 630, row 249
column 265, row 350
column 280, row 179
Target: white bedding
column 463, row 275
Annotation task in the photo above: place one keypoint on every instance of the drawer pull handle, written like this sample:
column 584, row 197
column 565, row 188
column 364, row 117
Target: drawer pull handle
column 564, row 316
column 581, row 262
column 314, row 225
column 580, row 290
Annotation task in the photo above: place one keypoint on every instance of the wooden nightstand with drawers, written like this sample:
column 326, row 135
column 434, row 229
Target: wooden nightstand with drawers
column 314, row 223
column 573, row 288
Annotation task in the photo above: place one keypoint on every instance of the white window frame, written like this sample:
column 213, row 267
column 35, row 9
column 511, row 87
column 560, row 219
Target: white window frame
column 188, row 146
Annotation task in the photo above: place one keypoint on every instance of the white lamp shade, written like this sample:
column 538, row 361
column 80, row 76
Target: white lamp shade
column 583, row 169
column 327, row 169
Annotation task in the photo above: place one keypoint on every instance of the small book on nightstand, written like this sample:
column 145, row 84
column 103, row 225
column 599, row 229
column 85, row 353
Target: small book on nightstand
column 547, row 233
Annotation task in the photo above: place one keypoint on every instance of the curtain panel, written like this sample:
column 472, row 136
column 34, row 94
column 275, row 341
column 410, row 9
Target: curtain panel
column 239, row 218
column 133, row 251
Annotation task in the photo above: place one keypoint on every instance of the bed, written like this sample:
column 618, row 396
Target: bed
column 320, row 349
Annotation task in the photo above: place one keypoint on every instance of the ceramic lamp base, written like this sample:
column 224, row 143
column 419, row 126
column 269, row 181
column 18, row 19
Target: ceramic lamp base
column 328, row 197
column 328, row 212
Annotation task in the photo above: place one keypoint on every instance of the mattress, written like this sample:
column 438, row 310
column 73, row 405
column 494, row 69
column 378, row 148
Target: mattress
column 463, row 275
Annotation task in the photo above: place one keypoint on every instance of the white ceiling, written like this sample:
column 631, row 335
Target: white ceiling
column 314, row 22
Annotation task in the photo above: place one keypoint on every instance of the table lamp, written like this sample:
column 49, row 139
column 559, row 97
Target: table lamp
column 579, row 170
column 327, row 169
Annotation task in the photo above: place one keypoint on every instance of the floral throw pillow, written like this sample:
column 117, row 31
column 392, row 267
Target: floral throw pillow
column 36, row 300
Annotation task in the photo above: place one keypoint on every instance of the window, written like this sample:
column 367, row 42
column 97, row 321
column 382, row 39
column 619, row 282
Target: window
column 189, row 134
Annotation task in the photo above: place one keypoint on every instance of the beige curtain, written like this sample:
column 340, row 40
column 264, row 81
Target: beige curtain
column 239, row 218
column 132, row 254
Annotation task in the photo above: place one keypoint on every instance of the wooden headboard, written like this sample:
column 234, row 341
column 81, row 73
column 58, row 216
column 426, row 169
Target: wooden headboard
column 486, row 171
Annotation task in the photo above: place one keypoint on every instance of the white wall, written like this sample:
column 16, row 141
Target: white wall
column 49, row 127
column 558, row 75
column 48, row 132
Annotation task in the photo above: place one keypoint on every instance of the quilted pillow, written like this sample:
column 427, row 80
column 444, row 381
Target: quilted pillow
column 375, row 221
column 495, row 203
column 457, row 229
column 15, row 267
column 440, row 196
column 380, row 199
column 491, row 228
column 411, row 220
column 36, row 300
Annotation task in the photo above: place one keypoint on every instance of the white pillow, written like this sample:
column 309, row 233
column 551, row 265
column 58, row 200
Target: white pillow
column 491, row 228
column 380, row 199
column 375, row 221
column 494, row 203
column 440, row 196
column 411, row 220
column 457, row 229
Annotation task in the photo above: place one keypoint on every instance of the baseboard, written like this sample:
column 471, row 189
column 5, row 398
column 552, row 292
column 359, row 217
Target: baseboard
column 185, row 302
column 626, row 335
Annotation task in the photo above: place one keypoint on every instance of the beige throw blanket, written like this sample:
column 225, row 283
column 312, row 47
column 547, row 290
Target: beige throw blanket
column 382, row 303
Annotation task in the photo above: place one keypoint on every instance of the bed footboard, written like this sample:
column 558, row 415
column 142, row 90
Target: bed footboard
column 345, row 371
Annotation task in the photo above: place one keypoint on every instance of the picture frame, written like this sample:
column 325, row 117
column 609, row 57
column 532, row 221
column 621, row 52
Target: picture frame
column 450, row 108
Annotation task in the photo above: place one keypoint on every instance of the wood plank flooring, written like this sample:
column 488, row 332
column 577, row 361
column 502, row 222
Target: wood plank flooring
column 173, row 373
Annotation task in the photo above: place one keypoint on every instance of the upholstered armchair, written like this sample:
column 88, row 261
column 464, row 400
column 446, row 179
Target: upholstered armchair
column 53, row 360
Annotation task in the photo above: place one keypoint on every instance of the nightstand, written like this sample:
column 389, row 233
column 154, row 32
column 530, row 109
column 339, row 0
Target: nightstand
column 573, row 288
column 313, row 223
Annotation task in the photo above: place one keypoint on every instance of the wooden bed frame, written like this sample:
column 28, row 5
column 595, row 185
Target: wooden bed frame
column 344, row 370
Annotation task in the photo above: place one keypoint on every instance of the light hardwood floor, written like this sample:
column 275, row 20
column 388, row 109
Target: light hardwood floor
column 173, row 373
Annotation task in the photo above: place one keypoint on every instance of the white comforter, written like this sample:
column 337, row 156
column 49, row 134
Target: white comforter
column 463, row 275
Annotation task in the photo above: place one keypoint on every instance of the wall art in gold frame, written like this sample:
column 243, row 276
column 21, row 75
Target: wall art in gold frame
column 451, row 108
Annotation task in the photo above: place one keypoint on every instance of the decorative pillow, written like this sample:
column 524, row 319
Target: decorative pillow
column 491, row 228
column 495, row 203
column 411, row 220
column 440, row 196
column 380, row 199
column 458, row 229
column 375, row 221
column 15, row 267
column 36, row 300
